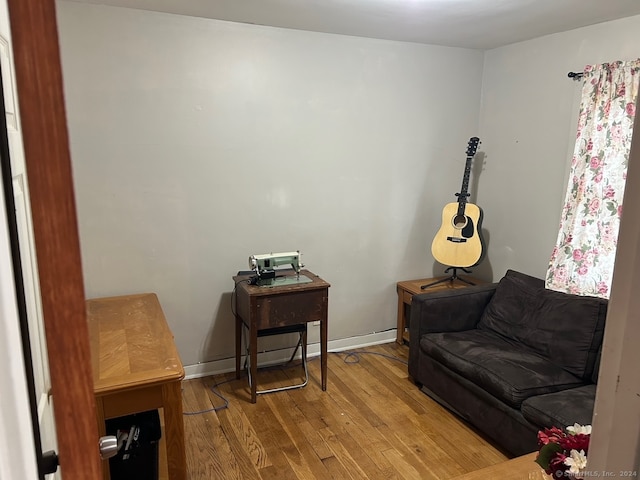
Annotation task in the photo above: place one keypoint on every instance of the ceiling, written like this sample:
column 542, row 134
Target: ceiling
column 482, row 24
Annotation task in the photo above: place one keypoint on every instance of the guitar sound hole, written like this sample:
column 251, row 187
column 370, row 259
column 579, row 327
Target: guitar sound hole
column 459, row 221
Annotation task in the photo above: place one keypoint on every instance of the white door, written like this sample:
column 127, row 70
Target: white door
column 17, row 455
column 28, row 263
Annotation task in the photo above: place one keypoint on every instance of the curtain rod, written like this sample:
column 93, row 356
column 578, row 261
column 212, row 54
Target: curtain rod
column 575, row 76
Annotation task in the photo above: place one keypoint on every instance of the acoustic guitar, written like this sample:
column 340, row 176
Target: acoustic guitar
column 459, row 241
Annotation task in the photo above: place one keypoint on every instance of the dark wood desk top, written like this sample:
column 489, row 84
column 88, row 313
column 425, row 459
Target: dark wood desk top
column 258, row 290
column 265, row 307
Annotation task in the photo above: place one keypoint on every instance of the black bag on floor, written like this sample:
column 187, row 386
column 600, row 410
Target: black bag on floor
column 138, row 438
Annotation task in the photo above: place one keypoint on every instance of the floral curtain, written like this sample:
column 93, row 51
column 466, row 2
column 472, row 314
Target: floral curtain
column 582, row 260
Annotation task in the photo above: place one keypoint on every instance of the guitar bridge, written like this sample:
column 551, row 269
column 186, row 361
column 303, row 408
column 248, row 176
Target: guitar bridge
column 456, row 239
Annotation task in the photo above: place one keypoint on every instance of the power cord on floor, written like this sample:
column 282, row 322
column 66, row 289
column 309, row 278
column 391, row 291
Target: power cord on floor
column 212, row 388
column 354, row 357
column 350, row 358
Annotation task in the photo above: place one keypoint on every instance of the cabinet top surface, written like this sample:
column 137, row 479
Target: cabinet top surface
column 131, row 343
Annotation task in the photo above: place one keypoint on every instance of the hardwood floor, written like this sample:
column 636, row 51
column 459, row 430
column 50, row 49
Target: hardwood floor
column 371, row 423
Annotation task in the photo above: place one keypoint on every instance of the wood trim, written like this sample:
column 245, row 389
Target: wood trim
column 46, row 147
column 519, row 468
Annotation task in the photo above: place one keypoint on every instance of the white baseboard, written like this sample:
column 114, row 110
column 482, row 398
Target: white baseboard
column 278, row 356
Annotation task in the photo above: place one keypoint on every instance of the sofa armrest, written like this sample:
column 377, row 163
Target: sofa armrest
column 450, row 310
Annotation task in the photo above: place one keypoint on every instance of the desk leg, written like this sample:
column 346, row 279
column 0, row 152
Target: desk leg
column 174, row 434
column 323, row 350
column 401, row 319
column 253, row 361
column 238, row 345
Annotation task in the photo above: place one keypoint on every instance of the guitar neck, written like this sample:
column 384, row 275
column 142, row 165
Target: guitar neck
column 462, row 196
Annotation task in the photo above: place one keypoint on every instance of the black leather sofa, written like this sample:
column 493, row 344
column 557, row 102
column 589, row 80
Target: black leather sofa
column 510, row 358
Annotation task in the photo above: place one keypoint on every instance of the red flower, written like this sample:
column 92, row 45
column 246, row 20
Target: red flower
column 575, row 442
column 556, row 446
column 553, row 434
column 557, row 466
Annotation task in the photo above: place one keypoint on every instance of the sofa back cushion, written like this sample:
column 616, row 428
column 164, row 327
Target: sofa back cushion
column 567, row 329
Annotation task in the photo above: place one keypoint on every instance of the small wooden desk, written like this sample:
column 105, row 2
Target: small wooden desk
column 264, row 307
column 408, row 288
column 136, row 367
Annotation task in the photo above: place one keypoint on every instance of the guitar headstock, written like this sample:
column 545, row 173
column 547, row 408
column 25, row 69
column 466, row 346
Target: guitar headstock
column 472, row 146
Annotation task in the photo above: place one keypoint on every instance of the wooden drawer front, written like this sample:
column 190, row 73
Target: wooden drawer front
column 291, row 309
column 133, row 401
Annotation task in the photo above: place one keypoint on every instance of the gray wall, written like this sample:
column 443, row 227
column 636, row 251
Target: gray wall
column 196, row 143
column 170, row 117
column 528, row 126
column 528, row 123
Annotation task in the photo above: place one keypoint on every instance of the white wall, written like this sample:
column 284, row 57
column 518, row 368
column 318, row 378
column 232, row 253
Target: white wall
column 528, row 127
column 196, row 143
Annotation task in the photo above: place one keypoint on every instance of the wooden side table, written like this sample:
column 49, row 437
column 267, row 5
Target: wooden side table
column 267, row 307
column 408, row 288
column 136, row 367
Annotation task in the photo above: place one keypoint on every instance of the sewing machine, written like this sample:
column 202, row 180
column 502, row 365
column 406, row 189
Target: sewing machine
column 264, row 266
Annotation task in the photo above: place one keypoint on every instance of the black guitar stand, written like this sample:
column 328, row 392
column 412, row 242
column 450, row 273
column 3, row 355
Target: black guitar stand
column 454, row 276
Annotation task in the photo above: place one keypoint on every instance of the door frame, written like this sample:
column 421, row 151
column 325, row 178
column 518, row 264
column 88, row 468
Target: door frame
column 48, row 163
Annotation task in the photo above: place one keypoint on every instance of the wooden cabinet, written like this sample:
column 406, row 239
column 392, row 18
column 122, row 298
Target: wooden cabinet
column 136, row 367
column 408, row 288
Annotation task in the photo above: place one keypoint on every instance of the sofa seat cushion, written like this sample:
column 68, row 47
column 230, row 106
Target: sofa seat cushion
column 507, row 370
column 561, row 409
column 567, row 329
